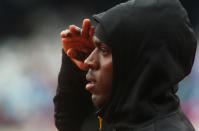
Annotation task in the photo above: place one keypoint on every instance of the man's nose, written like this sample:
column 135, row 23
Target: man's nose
column 92, row 61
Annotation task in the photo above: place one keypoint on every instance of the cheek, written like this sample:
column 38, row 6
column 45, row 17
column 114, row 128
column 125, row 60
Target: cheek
column 106, row 76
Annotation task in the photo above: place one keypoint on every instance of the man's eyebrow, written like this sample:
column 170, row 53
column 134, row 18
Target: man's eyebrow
column 97, row 43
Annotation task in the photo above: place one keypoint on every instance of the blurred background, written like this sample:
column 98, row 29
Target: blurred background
column 30, row 59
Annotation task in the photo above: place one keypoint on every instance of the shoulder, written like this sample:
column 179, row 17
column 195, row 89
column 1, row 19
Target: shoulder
column 176, row 121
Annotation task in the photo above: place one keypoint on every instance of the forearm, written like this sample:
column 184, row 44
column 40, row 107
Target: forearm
column 72, row 102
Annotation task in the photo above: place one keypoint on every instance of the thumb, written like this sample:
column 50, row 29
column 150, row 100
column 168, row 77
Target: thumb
column 71, row 53
column 76, row 54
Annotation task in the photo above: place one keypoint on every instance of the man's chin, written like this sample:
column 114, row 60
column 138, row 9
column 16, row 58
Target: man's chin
column 97, row 100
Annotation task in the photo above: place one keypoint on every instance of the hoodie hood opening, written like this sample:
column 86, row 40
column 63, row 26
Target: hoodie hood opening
column 153, row 48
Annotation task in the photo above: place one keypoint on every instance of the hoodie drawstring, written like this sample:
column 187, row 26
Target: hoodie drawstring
column 100, row 123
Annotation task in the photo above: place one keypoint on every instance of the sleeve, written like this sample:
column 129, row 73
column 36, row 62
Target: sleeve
column 72, row 102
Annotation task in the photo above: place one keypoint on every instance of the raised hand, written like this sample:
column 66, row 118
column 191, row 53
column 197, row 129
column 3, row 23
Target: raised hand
column 78, row 43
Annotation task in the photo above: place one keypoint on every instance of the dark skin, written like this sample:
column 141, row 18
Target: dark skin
column 91, row 55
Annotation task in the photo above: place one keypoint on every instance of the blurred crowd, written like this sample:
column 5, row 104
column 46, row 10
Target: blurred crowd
column 30, row 59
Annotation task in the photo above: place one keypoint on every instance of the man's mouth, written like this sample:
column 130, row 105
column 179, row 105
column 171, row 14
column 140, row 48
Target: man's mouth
column 90, row 85
column 91, row 82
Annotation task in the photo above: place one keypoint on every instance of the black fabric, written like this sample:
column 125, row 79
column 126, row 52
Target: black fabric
column 72, row 102
column 174, row 121
column 153, row 48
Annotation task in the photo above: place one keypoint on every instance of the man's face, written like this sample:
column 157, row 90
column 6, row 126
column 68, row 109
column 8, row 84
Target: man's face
column 100, row 73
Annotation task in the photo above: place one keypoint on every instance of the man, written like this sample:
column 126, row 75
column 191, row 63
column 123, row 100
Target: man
column 139, row 53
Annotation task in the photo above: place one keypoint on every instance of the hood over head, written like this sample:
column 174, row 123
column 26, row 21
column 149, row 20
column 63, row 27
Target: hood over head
column 153, row 48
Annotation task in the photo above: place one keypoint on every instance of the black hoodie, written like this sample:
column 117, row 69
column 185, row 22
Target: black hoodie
column 153, row 48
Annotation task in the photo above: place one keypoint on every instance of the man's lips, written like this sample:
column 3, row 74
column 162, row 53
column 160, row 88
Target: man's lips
column 90, row 86
column 92, row 82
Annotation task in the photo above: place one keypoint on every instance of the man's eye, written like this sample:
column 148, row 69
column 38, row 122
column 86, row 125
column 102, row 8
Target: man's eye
column 104, row 50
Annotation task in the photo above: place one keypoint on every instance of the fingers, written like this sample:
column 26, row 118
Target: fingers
column 76, row 31
column 75, row 43
column 72, row 31
column 65, row 33
column 85, row 28
column 86, row 32
column 91, row 32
